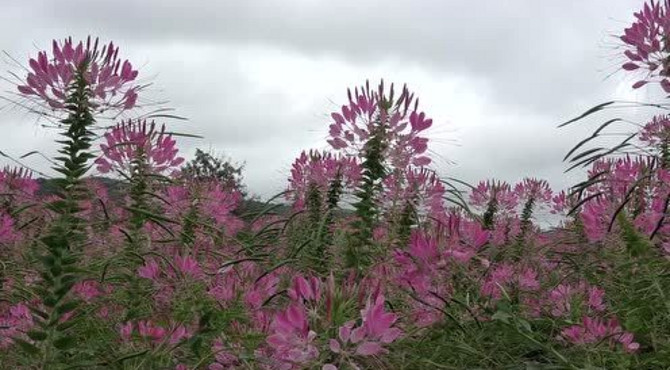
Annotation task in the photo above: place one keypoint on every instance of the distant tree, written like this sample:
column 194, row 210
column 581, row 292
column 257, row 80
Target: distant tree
column 207, row 166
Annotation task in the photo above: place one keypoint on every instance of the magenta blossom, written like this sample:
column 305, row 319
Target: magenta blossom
column 316, row 169
column 187, row 266
column 133, row 142
column 496, row 191
column 594, row 331
column 370, row 338
column 646, row 44
column 18, row 182
column 15, row 321
column 150, row 270
column 533, row 189
column 370, row 109
column 109, row 79
column 291, row 340
column 307, row 289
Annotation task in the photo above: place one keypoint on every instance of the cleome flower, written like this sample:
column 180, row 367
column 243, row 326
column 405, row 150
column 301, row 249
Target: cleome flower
column 131, row 141
column 110, row 80
column 368, row 338
column 370, row 109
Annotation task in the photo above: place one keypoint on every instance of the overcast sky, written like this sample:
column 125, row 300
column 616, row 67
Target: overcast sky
column 258, row 79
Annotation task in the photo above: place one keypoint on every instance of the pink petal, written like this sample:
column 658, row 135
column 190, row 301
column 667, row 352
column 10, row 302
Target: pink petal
column 369, row 349
column 639, row 84
column 335, row 346
column 630, row 66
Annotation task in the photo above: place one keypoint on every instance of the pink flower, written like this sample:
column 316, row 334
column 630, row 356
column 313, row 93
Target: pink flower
column 595, row 298
column 537, row 191
column 626, row 339
column 318, row 170
column 646, row 44
column 126, row 331
column 305, row 289
column 109, row 79
column 261, row 290
column 150, row 270
column 528, row 280
column 7, row 232
column 494, row 191
column 187, row 265
column 225, row 358
column 355, row 123
column 178, row 334
column 419, row 121
column 88, row 290
column 150, row 331
column 497, row 279
column 369, row 338
column 595, row 330
column 560, row 298
column 290, row 338
column 378, row 323
column 132, row 141
column 15, row 321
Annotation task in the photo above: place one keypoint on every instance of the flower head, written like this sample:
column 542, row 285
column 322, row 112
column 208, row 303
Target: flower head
column 109, row 79
column 370, row 109
column 646, row 44
column 132, row 141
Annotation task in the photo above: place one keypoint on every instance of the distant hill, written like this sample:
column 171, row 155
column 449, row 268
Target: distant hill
column 117, row 188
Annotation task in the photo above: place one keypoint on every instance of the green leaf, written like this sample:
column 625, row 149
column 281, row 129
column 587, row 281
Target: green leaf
column 501, row 316
column 65, row 342
column 595, row 109
column 37, row 335
column 66, row 307
column 29, row 348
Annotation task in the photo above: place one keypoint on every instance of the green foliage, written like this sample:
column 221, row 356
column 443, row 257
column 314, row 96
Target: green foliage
column 65, row 239
column 488, row 217
column 205, row 166
column 359, row 251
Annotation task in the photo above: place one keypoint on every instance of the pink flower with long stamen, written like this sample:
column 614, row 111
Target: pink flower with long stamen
column 150, row 270
column 291, row 339
column 371, row 337
column 131, row 142
column 187, row 266
column 109, row 78
column 646, row 44
column 403, row 124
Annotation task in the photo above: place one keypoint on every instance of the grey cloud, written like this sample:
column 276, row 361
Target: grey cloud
column 538, row 55
column 531, row 64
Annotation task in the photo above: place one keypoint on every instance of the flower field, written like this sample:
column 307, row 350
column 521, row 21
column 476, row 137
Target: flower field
column 368, row 260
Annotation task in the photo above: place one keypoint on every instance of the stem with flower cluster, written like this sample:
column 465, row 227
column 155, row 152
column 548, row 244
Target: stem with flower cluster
column 65, row 239
column 358, row 253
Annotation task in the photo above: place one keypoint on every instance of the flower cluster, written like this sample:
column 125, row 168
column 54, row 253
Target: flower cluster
column 132, row 142
column 109, row 79
column 369, row 111
column 646, row 44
